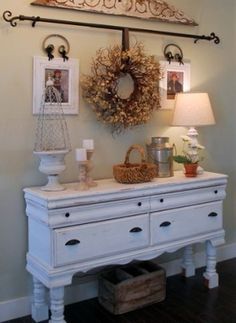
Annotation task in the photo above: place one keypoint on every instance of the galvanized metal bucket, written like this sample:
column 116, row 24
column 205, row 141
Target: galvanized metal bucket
column 160, row 152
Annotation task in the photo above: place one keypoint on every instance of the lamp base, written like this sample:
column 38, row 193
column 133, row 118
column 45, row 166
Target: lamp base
column 200, row 170
column 192, row 144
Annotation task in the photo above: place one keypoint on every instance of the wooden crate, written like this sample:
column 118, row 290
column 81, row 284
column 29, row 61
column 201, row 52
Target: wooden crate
column 131, row 287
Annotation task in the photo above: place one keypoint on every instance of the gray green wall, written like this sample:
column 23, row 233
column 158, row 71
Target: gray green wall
column 212, row 70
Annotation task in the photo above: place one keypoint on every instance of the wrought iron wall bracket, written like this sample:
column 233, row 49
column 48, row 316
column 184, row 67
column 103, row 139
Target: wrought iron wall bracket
column 7, row 16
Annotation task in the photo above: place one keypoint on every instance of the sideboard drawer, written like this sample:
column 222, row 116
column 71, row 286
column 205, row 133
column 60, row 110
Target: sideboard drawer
column 187, row 198
column 90, row 241
column 98, row 211
column 185, row 222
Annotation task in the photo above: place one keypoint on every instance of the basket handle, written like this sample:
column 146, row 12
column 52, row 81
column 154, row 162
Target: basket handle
column 139, row 149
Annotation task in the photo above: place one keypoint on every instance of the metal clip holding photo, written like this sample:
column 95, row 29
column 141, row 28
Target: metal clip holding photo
column 63, row 50
column 176, row 56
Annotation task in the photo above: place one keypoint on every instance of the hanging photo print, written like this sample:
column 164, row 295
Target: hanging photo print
column 175, row 79
column 64, row 76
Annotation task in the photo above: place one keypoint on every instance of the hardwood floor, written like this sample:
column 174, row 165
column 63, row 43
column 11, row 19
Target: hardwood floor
column 187, row 301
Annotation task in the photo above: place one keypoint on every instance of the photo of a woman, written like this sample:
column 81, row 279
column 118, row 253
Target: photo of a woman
column 174, row 83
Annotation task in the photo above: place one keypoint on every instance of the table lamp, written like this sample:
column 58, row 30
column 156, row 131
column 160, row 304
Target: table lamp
column 192, row 110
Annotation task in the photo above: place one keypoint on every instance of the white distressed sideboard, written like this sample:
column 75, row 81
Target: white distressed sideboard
column 74, row 231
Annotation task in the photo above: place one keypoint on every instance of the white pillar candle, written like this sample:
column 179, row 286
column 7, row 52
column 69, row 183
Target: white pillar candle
column 80, row 154
column 88, row 144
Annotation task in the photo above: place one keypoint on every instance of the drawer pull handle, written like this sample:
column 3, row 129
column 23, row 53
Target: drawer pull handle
column 72, row 242
column 216, row 191
column 165, row 224
column 139, row 203
column 67, row 215
column 212, row 214
column 136, row 229
column 161, row 200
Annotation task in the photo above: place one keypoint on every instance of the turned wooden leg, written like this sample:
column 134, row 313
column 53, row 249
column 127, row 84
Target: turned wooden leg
column 57, row 305
column 188, row 264
column 39, row 306
column 210, row 275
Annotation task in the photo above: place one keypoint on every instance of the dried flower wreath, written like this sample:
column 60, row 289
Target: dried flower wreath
column 100, row 89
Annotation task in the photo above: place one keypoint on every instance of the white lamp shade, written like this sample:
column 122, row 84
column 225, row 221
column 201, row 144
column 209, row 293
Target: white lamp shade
column 192, row 109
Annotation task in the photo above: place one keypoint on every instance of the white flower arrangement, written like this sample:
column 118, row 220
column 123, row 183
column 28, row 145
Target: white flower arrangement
column 190, row 155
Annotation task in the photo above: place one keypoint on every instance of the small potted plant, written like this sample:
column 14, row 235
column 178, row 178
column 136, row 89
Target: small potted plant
column 189, row 158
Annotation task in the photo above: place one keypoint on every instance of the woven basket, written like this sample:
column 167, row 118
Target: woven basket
column 128, row 173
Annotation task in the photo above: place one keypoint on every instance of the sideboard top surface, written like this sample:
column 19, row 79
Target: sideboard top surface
column 108, row 189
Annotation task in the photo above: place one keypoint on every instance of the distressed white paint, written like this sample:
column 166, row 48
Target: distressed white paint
column 188, row 263
column 19, row 168
column 105, row 237
column 146, row 9
column 20, row 307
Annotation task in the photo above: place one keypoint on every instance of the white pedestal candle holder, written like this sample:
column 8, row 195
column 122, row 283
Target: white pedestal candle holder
column 83, row 179
column 81, row 158
column 90, row 180
column 88, row 144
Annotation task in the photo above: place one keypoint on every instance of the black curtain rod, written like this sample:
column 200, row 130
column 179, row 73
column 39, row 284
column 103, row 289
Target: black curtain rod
column 7, row 16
